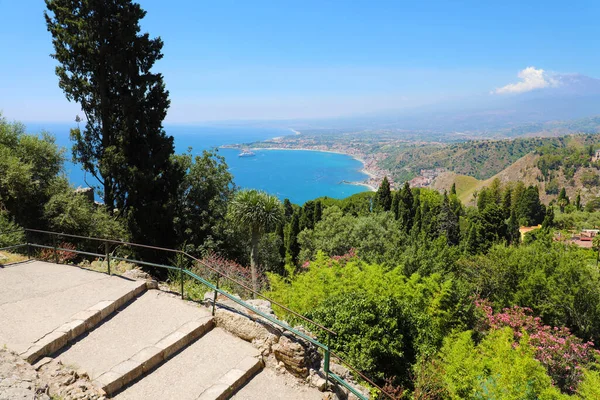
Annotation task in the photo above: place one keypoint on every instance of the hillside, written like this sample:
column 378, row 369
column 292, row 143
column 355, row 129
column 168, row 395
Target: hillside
column 480, row 159
column 526, row 170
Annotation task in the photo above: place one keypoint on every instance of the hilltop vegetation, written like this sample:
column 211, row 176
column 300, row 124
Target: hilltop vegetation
column 564, row 162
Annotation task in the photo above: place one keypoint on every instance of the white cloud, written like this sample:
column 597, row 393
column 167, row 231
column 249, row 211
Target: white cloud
column 531, row 79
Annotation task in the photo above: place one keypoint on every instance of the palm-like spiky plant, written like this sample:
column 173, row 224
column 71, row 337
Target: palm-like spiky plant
column 259, row 212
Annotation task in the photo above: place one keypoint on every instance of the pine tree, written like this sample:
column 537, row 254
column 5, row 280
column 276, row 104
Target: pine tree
column 105, row 65
column 383, row 197
column 453, row 189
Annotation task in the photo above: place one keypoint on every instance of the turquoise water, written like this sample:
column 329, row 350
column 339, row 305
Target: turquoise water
column 296, row 175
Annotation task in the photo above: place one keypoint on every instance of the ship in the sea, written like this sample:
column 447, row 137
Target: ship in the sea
column 246, row 153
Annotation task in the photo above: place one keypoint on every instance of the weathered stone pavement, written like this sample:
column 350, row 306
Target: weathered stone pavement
column 200, row 371
column 134, row 343
column 38, row 297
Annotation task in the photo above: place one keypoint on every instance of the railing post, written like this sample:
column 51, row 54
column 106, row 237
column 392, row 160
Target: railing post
column 181, row 278
column 215, row 297
column 107, row 252
column 326, row 362
column 28, row 244
column 55, row 249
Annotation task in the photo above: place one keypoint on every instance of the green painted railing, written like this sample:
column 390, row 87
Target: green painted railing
column 327, row 353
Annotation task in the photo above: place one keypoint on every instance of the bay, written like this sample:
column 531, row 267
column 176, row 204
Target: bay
column 294, row 174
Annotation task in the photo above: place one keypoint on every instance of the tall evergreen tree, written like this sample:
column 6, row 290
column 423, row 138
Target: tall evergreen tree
column 105, row 65
column 453, row 189
column 448, row 223
column 292, row 246
column 562, row 200
column 507, row 202
column 383, row 197
column 407, row 208
column 288, row 208
column 395, row 203
column 530, row 211
column 578, row 202
column 307, row 216
column 318, row 212
column 512, row 229
column 281, row 235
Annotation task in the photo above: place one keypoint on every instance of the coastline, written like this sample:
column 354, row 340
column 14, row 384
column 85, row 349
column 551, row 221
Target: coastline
column 363, row 169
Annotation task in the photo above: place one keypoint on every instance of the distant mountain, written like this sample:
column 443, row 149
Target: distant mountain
column 572, row 101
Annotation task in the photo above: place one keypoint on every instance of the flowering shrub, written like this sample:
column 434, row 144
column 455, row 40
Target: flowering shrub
column 64, row 256
column 340, row 260
column 557, row 349
column 233, row 270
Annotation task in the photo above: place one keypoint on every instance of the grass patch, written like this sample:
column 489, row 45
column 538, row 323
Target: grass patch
column 9, row 258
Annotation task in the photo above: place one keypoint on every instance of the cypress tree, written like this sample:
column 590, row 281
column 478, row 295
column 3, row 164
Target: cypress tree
column 453, row 189
column 512, row 230
column 281, row 235
column 578, row 202
column 105, row 65
column 292, row 246
column 448, row 223
column 407, row 208
column 383, row 197
column 395, row 203
column 318, row 212
column 288, row 209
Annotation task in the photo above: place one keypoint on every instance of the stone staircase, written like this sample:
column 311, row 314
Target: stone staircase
column 133, row 341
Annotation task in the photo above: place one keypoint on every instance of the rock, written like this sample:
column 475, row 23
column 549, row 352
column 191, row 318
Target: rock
column 137, row 274
column 293, row 354
column 261, row 305
column 319, row 382
column 260, row 335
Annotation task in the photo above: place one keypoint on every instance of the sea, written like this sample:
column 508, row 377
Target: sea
column 297, row 175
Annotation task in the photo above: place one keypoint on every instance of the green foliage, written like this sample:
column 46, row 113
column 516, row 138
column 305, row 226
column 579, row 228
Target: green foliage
column 409, row 316
column 201, row 202
column 257, row 212
column 29, row 166
column 104, row 64
column 560, row 284
column 73, row 213
column 383, row 198
column 11, row 234
column 494, row 369
column 376, row 238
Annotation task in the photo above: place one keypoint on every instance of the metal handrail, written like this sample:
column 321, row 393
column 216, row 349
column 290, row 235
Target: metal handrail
column 326, row 350
column 222, row 274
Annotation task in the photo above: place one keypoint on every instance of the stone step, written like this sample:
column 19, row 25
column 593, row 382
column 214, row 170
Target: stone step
column 269, row 385
column 211, row 368
column 137, row 338
column 43, row 306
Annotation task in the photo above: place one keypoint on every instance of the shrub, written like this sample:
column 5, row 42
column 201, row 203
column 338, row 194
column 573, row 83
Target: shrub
column 562, row 354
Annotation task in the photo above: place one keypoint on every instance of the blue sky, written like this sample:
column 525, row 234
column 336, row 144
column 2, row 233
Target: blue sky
column 300, row 59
